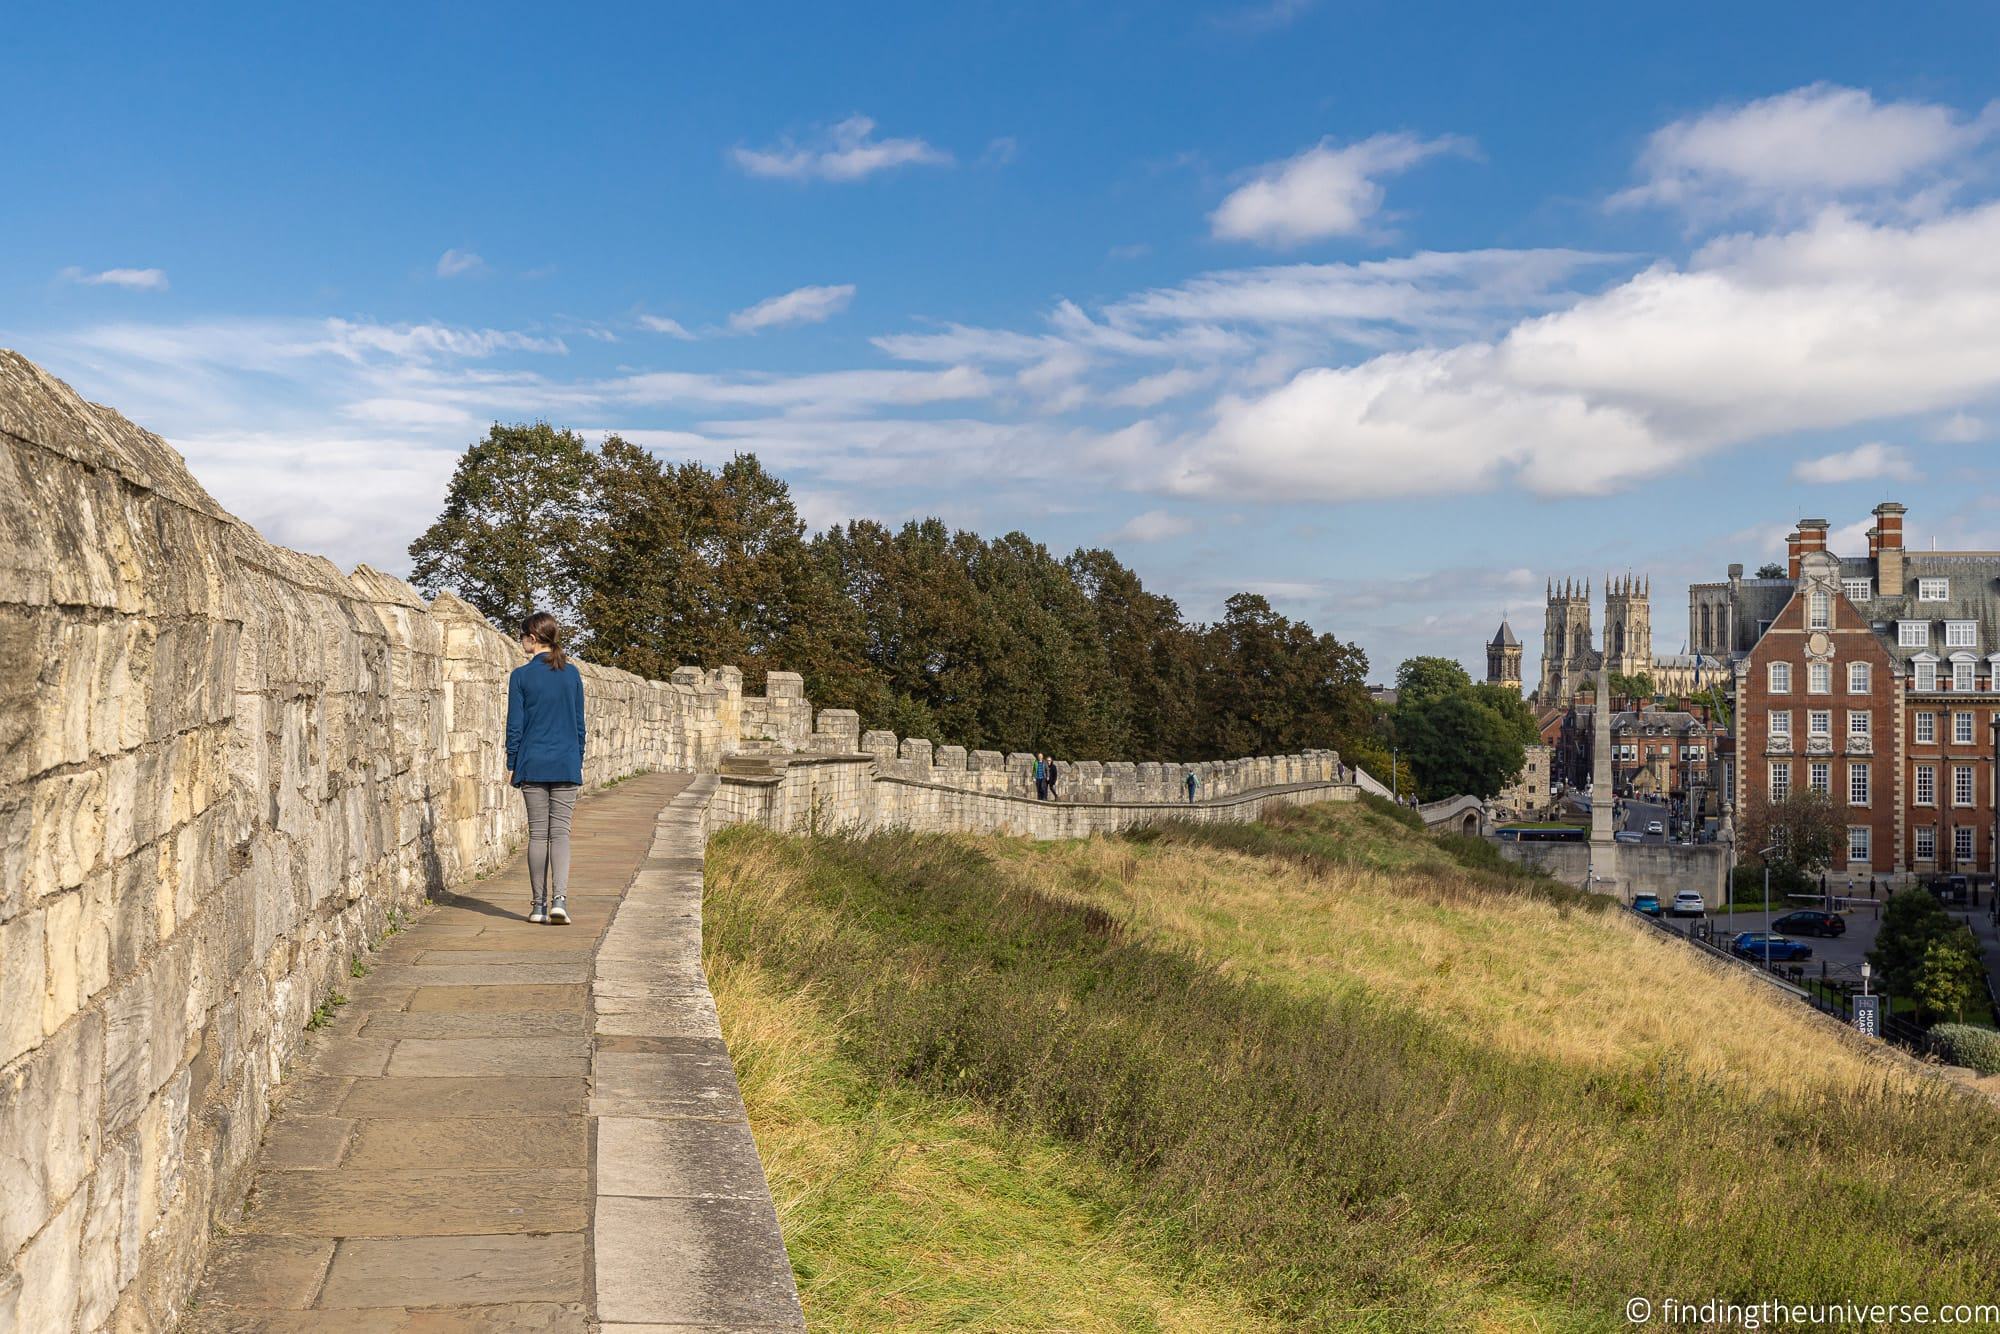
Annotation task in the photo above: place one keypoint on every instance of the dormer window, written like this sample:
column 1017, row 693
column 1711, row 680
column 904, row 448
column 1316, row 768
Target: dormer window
column 1961, row 634
column 1858, row 590
column 1962, row 669
column 1933, row 590
column 1913, row 634
column 1926, row 674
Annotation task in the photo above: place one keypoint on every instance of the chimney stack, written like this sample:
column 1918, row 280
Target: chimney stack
column 1812, row 536
column 1792, row 554
column 1889, row 577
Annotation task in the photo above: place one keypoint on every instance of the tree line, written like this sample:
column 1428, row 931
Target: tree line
column 988, row 643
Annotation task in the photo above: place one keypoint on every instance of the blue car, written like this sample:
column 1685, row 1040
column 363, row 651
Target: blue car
column 1782, row 949
column 1648, row 904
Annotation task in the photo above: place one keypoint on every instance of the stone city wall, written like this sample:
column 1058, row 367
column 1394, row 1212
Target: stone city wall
column 1630, row 868
column 224, row 766
column 906, row 785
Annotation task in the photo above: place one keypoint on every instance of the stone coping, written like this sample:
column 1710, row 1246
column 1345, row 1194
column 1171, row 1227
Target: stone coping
column 683, row 1228
column 1036, row 803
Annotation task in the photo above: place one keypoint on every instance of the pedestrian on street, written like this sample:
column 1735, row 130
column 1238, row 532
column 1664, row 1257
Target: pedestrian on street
column 1190, row 786
column 545, row 759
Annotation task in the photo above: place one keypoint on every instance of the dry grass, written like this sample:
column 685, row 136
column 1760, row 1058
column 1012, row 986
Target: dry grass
column 1343, row 1081
column 1529, row 976
column 906, row 1211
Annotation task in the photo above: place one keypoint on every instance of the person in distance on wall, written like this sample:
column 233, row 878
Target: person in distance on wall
column 545, row 758
column 1053, row 773
column 1190, row 786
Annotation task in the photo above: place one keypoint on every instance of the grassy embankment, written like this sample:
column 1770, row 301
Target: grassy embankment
column 1322, row 1072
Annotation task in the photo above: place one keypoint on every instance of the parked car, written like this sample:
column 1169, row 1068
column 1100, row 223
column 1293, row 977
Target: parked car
column 1687, row 903
column 1655, row 827
column 1628, row 836
column 1648, row 904
column 1811, row 922
column 1769, row 945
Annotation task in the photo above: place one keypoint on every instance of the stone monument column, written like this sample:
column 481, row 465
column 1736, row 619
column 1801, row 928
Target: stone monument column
column 1603, row 846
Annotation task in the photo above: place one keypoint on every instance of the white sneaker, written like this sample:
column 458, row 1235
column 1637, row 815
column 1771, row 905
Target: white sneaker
column 538, row 916
column 558, row 913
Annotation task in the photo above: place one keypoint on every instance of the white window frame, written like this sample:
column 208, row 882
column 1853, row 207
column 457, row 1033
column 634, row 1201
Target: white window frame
column 1926, row 674
column 1819, row 777
column 1778, row 676
column 1819, row 678
column 1962, row 849
column 1961, row 634
column 1858, row 839
column 1780, row 722
column 1924, row 730
column 1963, row 788
column 1964, row 675
column 1781, row 779
column 1819, row 610
column 1961, row 730
column 1819, row 723
column 1860, row 722
column 1859, row 678
column 1924, row 843
column 1913, row 634
column 1924, row 785
column 1857, row 783
column 1933, row 588
column 1858, row 590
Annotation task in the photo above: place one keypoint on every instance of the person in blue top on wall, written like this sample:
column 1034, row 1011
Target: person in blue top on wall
column 545, row 758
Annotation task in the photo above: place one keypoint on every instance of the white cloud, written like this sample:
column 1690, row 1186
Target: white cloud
column 1324, row 191
column 802, row 305
column 1961, row 428
column 138, row 280
column 1152, row 390
column 1808, row 145
column 846, row 151
column 459, row 264
column 1153, row 526
column 661, row 324
column 1860, row 464
column 1835, row 324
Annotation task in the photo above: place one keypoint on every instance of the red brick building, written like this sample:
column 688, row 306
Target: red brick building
column 1878, row 682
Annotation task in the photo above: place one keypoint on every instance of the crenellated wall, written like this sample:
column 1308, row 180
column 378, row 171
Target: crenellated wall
column 225, row 765
column 222, row 766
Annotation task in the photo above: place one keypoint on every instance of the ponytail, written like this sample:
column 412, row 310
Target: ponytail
column 543, row 626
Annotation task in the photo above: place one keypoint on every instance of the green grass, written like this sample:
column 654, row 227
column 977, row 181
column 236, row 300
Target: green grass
column 1321, row 1069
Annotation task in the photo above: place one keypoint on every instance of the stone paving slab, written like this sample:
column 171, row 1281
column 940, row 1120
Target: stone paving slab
column 428, row 1168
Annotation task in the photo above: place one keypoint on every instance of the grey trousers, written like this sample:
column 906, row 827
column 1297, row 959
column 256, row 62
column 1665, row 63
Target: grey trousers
column 549, row 807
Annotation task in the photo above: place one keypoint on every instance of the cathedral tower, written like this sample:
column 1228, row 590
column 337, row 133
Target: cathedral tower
column 1503, row 659
column 1568, row 654
column 1628, row 625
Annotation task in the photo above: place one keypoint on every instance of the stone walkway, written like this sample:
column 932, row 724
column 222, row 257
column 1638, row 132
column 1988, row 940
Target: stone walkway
column 434, row 1163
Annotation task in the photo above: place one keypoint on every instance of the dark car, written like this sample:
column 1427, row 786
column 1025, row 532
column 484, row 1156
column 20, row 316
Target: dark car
column 1811, row 922
column 1769, row 945
column 1648, row 904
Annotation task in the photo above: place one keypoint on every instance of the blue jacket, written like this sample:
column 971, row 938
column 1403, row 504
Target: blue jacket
column 545, row 723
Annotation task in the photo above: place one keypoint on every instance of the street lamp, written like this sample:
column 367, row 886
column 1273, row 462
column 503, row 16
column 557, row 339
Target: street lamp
column 1765, row 854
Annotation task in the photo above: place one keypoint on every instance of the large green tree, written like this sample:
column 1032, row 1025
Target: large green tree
column 1913, row 922
column 1420, row 680
column 1458, row 745
column 514, row 512
column 1806, row 830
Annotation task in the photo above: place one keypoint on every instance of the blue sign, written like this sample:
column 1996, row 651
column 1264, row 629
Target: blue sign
column 1868, row 1015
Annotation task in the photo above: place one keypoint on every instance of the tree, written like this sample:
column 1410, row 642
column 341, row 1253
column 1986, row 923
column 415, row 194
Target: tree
column 513, row 514
column 1949, row 977
column 1457, row 745
column 1420, row 680
column 1912, row 922
column 1772, row 570
column 1512, row 710
column 1639, row 685
column 1806, row 829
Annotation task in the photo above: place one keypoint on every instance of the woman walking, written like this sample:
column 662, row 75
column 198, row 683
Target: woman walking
column 545, row 758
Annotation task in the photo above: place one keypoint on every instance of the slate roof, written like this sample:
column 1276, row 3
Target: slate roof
column 1504, row 637
column 1973, row 584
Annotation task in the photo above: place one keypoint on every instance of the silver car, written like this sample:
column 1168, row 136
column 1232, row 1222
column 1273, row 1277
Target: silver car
column 1687, row 903
column 1655, row 827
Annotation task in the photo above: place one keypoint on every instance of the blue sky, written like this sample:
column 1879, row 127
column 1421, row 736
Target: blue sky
column 1389, row 311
